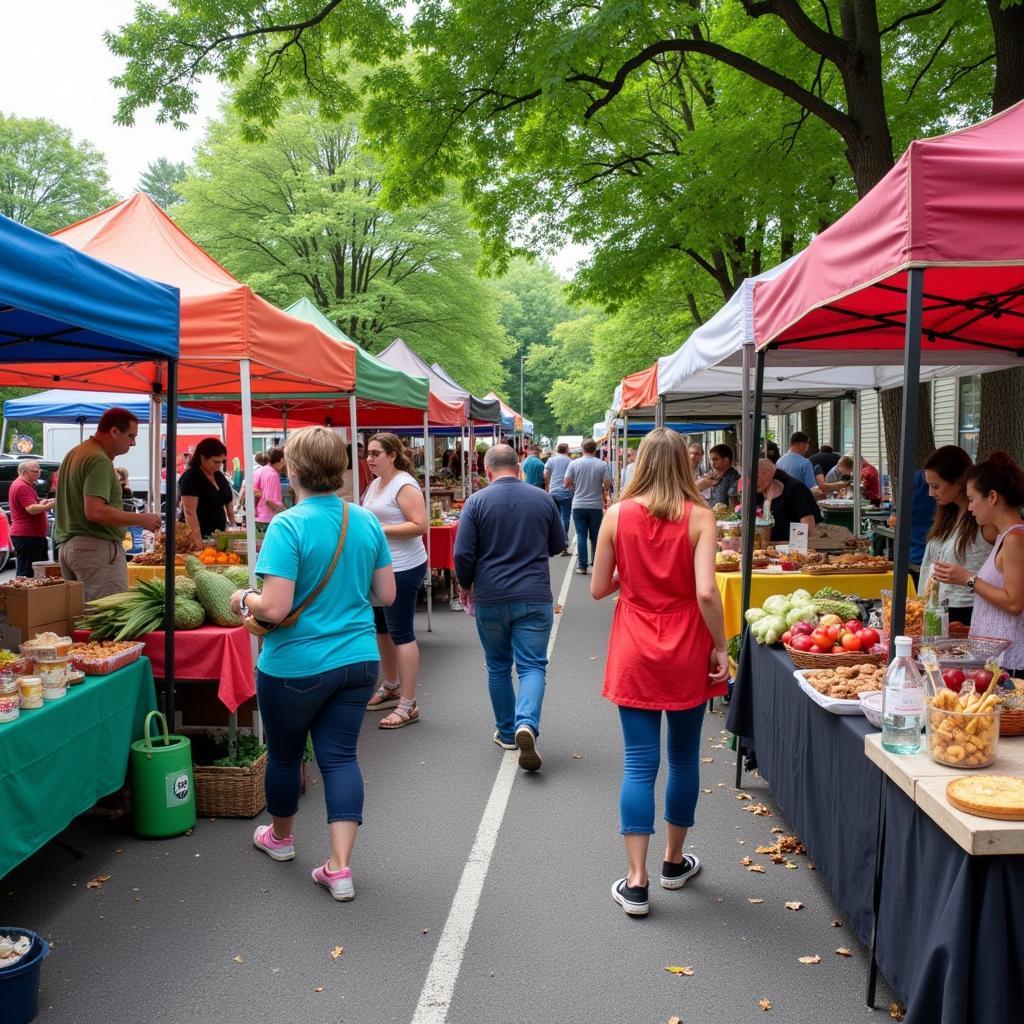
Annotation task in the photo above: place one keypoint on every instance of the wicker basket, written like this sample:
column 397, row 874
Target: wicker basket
column 807, row 659
column 230, row 792
column 1011, row 723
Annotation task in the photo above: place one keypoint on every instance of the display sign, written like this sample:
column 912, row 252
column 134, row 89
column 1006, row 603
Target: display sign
column 798, row 537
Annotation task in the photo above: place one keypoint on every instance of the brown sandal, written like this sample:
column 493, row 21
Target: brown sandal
column 400, row 717
column 384, row 698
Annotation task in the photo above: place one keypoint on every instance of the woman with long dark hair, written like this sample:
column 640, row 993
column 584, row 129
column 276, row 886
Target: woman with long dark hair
column 995, row 490
column 207, row 501
column 956, row 545
column 395, row 498
column 667, row 650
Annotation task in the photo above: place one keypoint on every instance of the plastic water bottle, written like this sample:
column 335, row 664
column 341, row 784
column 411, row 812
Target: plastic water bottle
column 902, row 702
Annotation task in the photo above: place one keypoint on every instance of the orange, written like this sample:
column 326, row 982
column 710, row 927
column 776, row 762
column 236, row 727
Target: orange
column 222, row 558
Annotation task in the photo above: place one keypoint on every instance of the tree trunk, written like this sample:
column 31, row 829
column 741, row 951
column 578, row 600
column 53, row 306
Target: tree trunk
column 809, row 425
column 1002, row 413
column 892, row 419
column 1008, row 35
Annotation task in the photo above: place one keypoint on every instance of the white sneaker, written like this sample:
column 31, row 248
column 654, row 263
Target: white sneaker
column 529, row 755
column 501, row 743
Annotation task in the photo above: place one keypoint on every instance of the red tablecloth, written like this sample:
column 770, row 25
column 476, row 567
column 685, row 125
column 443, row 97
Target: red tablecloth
column 210, row 652
column 442, row 547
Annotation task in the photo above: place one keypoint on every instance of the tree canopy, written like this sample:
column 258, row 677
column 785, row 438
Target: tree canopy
column 47, row 180
column 161, row 179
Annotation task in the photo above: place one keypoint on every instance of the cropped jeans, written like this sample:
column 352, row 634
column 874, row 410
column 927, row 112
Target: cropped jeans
column 641, row 734
column 331, row 707
column 515, row 632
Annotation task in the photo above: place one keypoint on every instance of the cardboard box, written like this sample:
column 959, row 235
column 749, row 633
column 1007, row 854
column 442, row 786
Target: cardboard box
column 28, row 609
column 11, row 636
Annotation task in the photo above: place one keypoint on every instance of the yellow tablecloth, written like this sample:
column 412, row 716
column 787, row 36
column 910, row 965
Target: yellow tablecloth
column 763, row 585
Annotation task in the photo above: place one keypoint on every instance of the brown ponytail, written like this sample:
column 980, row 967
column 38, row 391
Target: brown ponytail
column 393, row 446
column 1001, row 474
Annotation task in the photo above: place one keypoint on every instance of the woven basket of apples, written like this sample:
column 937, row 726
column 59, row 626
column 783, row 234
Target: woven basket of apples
column 832, row 642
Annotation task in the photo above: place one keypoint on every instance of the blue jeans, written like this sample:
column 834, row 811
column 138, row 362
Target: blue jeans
column 519, row 632
column 331, row 706
column 397, row 619
column 563, row 500
column 588, row 523
column 641, row 734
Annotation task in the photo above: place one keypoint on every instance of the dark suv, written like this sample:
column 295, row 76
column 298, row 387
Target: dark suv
column 9, row 473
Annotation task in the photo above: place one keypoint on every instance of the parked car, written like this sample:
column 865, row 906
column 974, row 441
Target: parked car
column 9, row 473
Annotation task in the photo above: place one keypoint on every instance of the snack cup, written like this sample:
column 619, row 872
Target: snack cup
column 53, row 673
column 39, row 652
column 961, row 740
column 913, row 624
column 31, row 689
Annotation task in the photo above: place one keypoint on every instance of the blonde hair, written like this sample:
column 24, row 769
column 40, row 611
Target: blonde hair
column 122, row 474
column 317, row 458
column 662, row 473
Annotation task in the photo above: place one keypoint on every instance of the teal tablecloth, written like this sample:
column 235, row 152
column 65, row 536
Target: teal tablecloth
column 58, row 760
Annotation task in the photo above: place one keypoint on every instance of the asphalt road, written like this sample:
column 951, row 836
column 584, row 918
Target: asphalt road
column 204, row 928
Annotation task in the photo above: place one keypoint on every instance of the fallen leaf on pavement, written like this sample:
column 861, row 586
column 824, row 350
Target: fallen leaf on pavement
column 238, row 960
column 756, row 868
column 746, row 862
column 760, row 810
column 95, row 883
column 558, row 609
column 688, row 971
column 744, row 796
column 705, row 790
column 836, row 923
column 896, row 1011
column 423, row 931
column 675, row 1020
column 810, row 959
column 319, row 988
column 707, row 760
column 336, row 952
column 794, row 905
column 843, row 951
column 575, row 756
column 777, row 831
column 764, row 1004
column 754, row 899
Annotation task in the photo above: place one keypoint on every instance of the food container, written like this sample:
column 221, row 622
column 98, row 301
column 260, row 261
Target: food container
column 871, row 705
column 10, row 698
column 40, row 570
column 75, row 676
column 53, row 673
column 914, row 620
column 23, row 665
column 31, row 688
column 962, row 740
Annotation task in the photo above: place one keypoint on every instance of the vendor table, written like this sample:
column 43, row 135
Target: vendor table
column 442, row 547
column 58, row 760
column 948, row 923
column 210, row 652
column 763, row 585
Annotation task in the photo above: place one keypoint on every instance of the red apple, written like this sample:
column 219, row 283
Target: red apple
column 851, row 642
column 868, row 637
column 853, row 625
column 821, row 640
column 834, row 630
column 982, row 677
column 802, row 628
column 787, row 637
column 953, row 678
column 838, row 649
column 802, row 642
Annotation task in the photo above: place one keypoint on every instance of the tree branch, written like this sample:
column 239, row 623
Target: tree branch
column 924, row 12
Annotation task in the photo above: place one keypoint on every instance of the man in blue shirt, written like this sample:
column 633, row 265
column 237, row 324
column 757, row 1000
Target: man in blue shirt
column 506, row 535
column 797, row 465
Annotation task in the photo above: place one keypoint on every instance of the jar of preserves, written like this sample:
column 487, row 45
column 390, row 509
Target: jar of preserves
column 54, row 676
column 10, row 698
column 31, row 688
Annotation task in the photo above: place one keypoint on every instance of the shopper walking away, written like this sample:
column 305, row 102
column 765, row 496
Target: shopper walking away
column 28, row 519
column 507, row 533
column 533, row 468
column 590, row 481
column 266, row 486
column 207, row 503
column 396, row 500
column 323, row 561
column 554, row 480
column 90, row 520
column 667, row 651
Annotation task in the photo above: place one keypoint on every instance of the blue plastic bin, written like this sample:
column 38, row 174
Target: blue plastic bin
column 19, row 985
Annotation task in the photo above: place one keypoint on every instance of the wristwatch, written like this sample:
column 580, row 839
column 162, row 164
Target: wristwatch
column 243, row 610
column 971, row 580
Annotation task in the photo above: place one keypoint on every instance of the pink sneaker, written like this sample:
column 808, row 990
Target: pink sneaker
column 278, row 849
column 338, row 882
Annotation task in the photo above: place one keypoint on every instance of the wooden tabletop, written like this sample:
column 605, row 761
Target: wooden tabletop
column 925, row 781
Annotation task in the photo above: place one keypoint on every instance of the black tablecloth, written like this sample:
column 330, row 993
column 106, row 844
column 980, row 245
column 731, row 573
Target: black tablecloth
column 951, row 927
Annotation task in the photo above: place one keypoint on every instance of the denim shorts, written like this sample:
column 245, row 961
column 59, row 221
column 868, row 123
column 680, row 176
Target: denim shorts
column 397, row 619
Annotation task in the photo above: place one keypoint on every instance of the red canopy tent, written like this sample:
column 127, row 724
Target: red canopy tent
column 933, row 258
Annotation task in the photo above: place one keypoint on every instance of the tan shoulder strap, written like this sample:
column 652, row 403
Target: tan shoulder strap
column 293, row 616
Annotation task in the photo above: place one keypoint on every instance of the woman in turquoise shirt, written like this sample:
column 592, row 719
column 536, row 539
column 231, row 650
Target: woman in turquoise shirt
column 316, row 675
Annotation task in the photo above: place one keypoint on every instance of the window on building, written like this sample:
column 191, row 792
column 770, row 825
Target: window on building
column 969, row 414
column 845, row 429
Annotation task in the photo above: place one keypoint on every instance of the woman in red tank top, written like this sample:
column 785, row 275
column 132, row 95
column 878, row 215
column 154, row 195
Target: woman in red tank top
column 667, row 650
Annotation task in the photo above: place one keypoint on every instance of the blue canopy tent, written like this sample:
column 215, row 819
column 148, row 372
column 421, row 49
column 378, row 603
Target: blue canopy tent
column 83, row 407
column 62, row 313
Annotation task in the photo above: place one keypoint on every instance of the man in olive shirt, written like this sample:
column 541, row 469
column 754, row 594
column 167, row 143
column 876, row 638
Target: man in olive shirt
column 90, row 522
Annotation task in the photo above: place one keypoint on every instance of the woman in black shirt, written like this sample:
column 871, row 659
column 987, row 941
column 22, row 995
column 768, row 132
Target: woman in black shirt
column 207, row 501
column 789, row 500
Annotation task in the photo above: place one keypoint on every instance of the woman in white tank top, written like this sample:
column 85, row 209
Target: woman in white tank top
column 395, row 498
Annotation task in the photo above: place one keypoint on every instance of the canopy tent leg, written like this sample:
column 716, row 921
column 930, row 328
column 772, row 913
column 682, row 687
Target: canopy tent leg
column 3, row 435
column 81, row 429
column 908, row 443
column 353, row 441
column 427, row 465
column 659, row 412
column 855, row 399
column 749, row 517
column 244, row 374
column 155, row 441
column 743, row 437
column 284, row 422
column 169, row 517
column 471, row 457
column 462, row 458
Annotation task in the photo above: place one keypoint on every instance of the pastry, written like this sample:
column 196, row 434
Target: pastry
column 989, row 796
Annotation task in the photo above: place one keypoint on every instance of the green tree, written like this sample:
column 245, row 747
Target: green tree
column 47, row 180
column 299, row 213
column 161, row 179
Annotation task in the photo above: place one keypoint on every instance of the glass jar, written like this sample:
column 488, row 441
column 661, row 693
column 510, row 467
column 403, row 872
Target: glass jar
column 10, row 697
column 31, row 688
column 54, row 676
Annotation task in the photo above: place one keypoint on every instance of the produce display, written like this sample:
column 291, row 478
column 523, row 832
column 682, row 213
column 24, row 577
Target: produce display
column 211, row 556
column 963, row 728
column 183, row 544
column 846, row 682
column 824, row 623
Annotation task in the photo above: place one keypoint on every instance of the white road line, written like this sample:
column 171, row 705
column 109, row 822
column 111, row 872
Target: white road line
column 439, row 987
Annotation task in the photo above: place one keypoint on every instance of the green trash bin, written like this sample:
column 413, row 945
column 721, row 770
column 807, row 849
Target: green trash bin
column 163, row 792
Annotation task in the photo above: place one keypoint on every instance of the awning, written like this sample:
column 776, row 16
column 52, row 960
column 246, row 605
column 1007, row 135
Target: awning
column 61, row 406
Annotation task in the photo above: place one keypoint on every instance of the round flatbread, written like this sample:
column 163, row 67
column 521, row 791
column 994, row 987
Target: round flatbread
column 989, row 796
